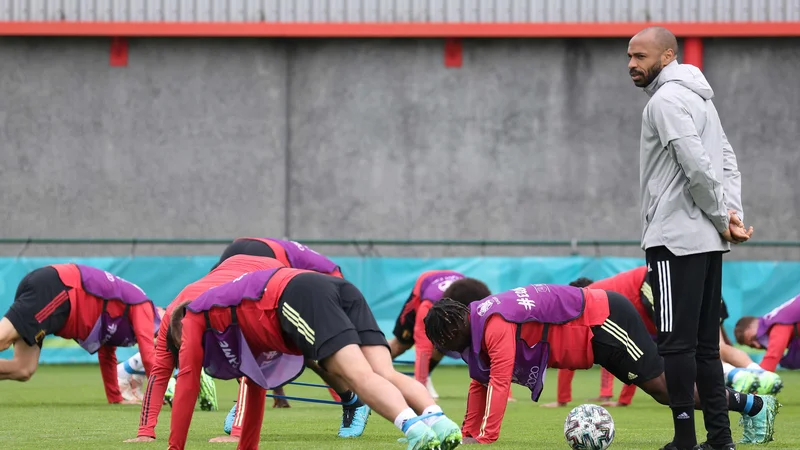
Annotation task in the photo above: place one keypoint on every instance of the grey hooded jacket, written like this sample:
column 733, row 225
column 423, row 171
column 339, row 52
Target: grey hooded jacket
column 689, row 177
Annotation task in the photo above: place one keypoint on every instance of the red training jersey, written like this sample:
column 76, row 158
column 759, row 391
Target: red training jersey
column 229, row 270
column 629, row 284
column 423, row 347
column 261, row 328
column 84, row 311
column 570, row 348
column 779, row 337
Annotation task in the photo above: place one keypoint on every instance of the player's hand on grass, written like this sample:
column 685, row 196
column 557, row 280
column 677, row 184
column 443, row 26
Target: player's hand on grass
column 142, row 439
column 469, row 440
column 553, row 405
column 224, row 439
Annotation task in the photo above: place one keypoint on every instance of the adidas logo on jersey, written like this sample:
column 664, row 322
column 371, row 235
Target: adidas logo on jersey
column 632, row 376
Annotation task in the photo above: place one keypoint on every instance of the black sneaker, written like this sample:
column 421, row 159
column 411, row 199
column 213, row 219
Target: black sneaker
column 707, row 446
column 672, row 446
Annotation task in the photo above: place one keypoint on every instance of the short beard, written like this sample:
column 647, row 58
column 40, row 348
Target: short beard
column 652, row 73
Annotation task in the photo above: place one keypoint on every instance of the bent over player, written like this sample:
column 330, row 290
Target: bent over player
column 741, row 373
column 516, row 335
column 99, row 310
column 409, row 329
column 234, row 331
column 131, row 378
column 777, row 332
column 166, row 352
column 295, row 255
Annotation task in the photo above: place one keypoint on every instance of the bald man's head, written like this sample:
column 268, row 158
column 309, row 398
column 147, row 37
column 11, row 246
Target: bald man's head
column 648, row 52
column 661, row 37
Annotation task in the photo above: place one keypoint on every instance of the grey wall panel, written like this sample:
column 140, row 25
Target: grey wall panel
column 483, row 11
column 759, row 103
column 530, row 139
column 188, row 140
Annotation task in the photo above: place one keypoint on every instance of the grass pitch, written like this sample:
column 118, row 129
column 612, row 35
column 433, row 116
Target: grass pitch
column 64, row 407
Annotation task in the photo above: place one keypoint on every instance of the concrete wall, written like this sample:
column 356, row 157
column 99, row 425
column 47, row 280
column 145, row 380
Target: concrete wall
column 531, row 139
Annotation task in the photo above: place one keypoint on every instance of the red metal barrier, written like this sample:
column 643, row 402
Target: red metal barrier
column 693, row 52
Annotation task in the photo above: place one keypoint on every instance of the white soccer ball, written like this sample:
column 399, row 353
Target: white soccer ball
column 589, row 427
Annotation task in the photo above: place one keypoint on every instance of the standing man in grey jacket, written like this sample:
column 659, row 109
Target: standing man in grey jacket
column 691, row 213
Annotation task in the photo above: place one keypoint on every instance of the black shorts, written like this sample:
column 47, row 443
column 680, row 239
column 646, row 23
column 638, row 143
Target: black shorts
column 245, row 247
column 322, row 314
column 623, row 346
column 404, row 325
column 41, row 305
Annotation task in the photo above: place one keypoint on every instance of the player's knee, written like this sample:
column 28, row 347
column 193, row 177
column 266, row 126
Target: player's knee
column 355, row 375
column 661, row 397
column 387, row 372
column 8, row 334
column 396, row 348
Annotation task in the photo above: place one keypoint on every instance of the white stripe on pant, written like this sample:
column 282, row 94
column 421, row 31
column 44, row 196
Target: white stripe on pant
column 665, row 289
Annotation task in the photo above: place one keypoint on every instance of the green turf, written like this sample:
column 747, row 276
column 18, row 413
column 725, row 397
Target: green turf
column 63, row 407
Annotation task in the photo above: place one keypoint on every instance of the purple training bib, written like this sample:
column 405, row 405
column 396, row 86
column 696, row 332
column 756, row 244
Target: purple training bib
column 432, row 288
column 227, row 354
column 302, row 257
column 107, row 330
column 249, row 286
column 544, row 303
column 786, row 314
